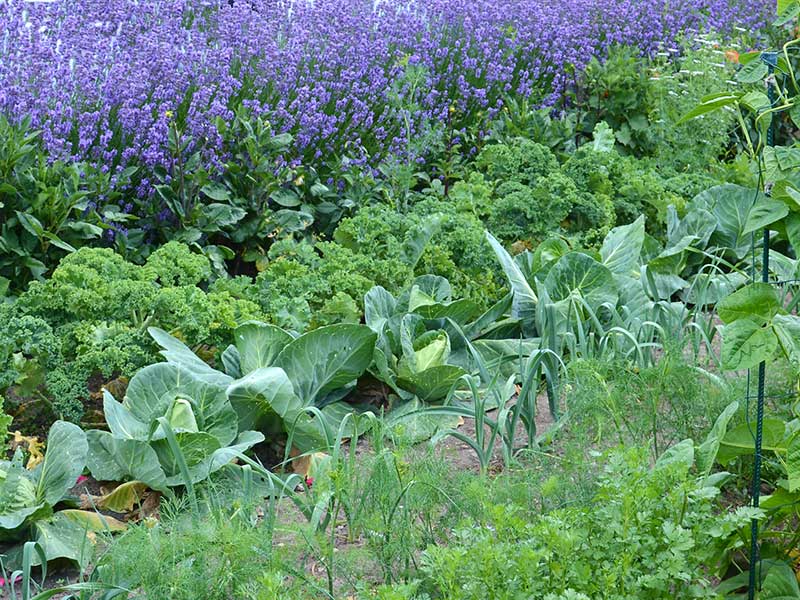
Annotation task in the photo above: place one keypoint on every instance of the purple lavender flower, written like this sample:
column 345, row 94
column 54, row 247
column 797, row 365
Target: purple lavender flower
column 104, row 79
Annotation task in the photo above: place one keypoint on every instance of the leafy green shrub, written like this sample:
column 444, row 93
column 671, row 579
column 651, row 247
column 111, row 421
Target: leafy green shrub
column 311, row 286
column 90, row 318
column 48, row 207
column 456, row 250
column 616, row 91
column 174, row 264
column 520, row 212
column 28, row 347
column 519, row 160
column 648, row 533
column 622, row 187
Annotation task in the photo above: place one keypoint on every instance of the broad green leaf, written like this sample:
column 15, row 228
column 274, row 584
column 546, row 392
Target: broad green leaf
column 17, row 497
column 222, row 215
column 525, row 300
column 259, row 344
column 765, row 213
column 216, row 191
column 741, row 440
column 431, row 384
column 327, row 359
column 433, row 354
column 221, row 457
column 264, row 391
column 120, row 420
column 752, row 72
column 622, row 247
column 787, row 328
column 603, row 138
column 754, row 301
column 747, row 342
column 681, row 454
column 114, row 459
column 61, row 537
column 419, row 426
column 706, row 452
column 181, row 417
column 709, row 104
column 379, row 307
column 178, row 353
column 577, row 274
column 780, row 583
column 730, row 204
column 460, row 311
column 195, row 447
column 672, row 260
column 755, row 101
column 489, row 318
column 788, row 10
column 63, row 462
column 308, row 433
column 793, row 464
column 708, row 289
column 793, row 230
column 153, row 391
column 417, row 299
column 418, row 238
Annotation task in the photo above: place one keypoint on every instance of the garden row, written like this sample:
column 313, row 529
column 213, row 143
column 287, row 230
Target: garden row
column 215, row 273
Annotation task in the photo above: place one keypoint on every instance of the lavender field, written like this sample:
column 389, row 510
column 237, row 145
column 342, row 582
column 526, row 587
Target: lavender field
column 399, row 300
column 102, row 78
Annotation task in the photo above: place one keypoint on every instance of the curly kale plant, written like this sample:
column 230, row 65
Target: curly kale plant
column 90, row 319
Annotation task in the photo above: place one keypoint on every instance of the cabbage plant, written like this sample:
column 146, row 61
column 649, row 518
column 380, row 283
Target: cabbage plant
column 29, row 497
column 423, row 335
column 172, row 428
column 275, row 382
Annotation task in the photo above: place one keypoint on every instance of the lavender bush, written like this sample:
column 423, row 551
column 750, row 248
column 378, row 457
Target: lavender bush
column 105, row 78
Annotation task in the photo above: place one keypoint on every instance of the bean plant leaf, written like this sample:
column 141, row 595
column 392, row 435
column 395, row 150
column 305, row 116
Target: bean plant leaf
column 752, row 72
column 747, row 342
column 706, row 452
column 793, row 464
column 754, row 301
column 787, row 328
column 709, row 104
column 622, row 247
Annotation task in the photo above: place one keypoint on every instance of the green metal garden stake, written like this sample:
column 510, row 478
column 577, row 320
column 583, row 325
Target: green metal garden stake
column 770, row 58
